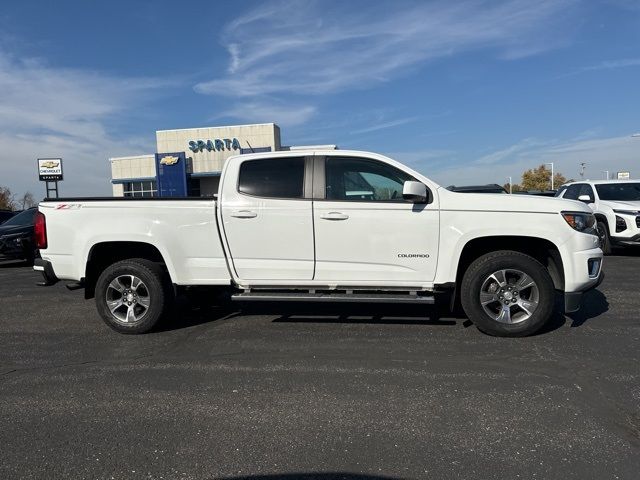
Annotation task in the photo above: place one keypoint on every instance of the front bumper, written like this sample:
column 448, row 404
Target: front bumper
column 573, row 300
column 582, row 260
column 626, row 241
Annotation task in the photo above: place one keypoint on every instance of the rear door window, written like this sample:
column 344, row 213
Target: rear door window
column 272, row 177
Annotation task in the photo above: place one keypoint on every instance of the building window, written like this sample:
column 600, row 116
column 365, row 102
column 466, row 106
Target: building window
column 140, row 189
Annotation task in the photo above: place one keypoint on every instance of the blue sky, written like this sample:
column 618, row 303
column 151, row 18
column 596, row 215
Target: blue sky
column 465, row 92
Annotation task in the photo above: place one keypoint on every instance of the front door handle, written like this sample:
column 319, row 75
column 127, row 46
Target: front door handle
column 334, row 216
column 244, row 214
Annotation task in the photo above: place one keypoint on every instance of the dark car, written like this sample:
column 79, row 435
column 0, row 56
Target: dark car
column 16, row 237
column 6, row 215
column 537, row 193
column 491, row 188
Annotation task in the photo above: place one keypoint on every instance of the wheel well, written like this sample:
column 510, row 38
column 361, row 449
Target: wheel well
column 602, row 218
column 542, row 250
column 104, row 254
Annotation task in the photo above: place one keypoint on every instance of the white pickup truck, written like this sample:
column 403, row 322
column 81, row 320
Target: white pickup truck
column 331, row 226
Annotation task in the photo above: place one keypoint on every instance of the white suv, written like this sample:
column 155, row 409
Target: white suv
column 616, row 205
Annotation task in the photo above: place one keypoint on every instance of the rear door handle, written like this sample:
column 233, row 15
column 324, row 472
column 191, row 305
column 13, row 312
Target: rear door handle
column 334, row 216
column 244, row 214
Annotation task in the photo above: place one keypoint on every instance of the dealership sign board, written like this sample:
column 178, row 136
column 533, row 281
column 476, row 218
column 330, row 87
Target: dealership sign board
column 624, row 175
column 50, row 169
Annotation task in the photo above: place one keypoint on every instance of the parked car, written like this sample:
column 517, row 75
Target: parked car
column 286, row 226
column 16, row 237
column 6, row 215
column 616, row 205
column 490, row 188
column 537, row 193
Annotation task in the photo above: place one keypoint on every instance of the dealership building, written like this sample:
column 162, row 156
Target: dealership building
column 188, row 162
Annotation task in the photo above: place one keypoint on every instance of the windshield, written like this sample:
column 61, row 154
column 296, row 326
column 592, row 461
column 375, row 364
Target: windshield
column 24, row 218
column 619, row 191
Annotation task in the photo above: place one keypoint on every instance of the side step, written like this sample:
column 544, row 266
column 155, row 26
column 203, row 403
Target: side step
column 332, row 297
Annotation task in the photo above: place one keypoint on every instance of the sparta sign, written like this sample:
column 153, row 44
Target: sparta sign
column 50, row 169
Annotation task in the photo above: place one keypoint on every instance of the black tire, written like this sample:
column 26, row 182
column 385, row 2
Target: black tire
column 605, row 239
column 156, row 290
column 482, row 268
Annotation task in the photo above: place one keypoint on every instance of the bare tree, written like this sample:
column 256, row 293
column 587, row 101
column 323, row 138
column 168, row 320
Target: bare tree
column 27, row 201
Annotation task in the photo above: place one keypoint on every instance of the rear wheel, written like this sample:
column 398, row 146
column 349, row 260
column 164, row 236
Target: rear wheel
column 508, row 294
column 132, row 295
column 603, row 236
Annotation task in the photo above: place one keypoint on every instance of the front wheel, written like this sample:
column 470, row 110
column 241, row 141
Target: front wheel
column 508, row 294
column 132, row 295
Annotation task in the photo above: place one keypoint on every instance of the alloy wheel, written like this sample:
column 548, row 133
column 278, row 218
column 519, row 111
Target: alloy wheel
column 128, row 299
column 509, row 296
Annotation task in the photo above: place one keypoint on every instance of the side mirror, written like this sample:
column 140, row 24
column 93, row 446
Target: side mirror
column 415, row 192
column 585, row 198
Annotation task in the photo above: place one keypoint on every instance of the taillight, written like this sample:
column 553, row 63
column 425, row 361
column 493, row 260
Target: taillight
column 40, row 231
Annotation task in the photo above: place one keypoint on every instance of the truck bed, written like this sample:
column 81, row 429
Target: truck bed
column 183, row 230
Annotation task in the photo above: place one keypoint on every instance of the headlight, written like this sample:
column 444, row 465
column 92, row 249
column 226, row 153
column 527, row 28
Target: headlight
column 627, row 212
column 580, row 221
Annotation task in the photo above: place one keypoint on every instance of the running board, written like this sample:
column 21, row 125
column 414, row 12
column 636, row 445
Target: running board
column 331, row 297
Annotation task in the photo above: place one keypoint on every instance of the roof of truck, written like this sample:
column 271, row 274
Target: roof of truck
column 600, row 182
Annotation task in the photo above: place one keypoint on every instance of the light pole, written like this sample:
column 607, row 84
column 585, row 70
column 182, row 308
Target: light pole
column 551, row 173
column 582, row 167
column 607, row 173
column 510, row 189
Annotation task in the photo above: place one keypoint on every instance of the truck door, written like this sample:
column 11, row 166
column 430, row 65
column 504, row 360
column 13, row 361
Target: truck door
column 267, row 218
column 365, row 231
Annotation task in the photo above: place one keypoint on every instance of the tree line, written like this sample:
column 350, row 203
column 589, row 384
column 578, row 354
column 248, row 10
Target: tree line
column 537, row 179
column 9, row 201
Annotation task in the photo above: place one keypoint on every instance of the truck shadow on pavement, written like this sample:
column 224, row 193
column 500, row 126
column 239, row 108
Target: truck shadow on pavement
column 190, row 314
column 312, row 476
column 594, row 304
column 362, row 314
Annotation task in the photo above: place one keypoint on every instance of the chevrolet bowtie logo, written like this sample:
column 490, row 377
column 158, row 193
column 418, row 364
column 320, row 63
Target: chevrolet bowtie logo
column 168, row 160
column 50, row 164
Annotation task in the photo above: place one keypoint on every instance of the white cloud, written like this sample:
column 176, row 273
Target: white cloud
column 613, row 154
column 313, row 48
column 385, row 125
column 607, row 65
column 496, row 157
column 63, row 112
column 262, row 111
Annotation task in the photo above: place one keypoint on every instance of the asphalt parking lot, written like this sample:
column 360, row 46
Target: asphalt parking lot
column 331, row 392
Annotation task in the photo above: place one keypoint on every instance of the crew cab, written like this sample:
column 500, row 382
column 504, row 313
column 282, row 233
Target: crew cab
column 616, row 205
column 325, row 225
